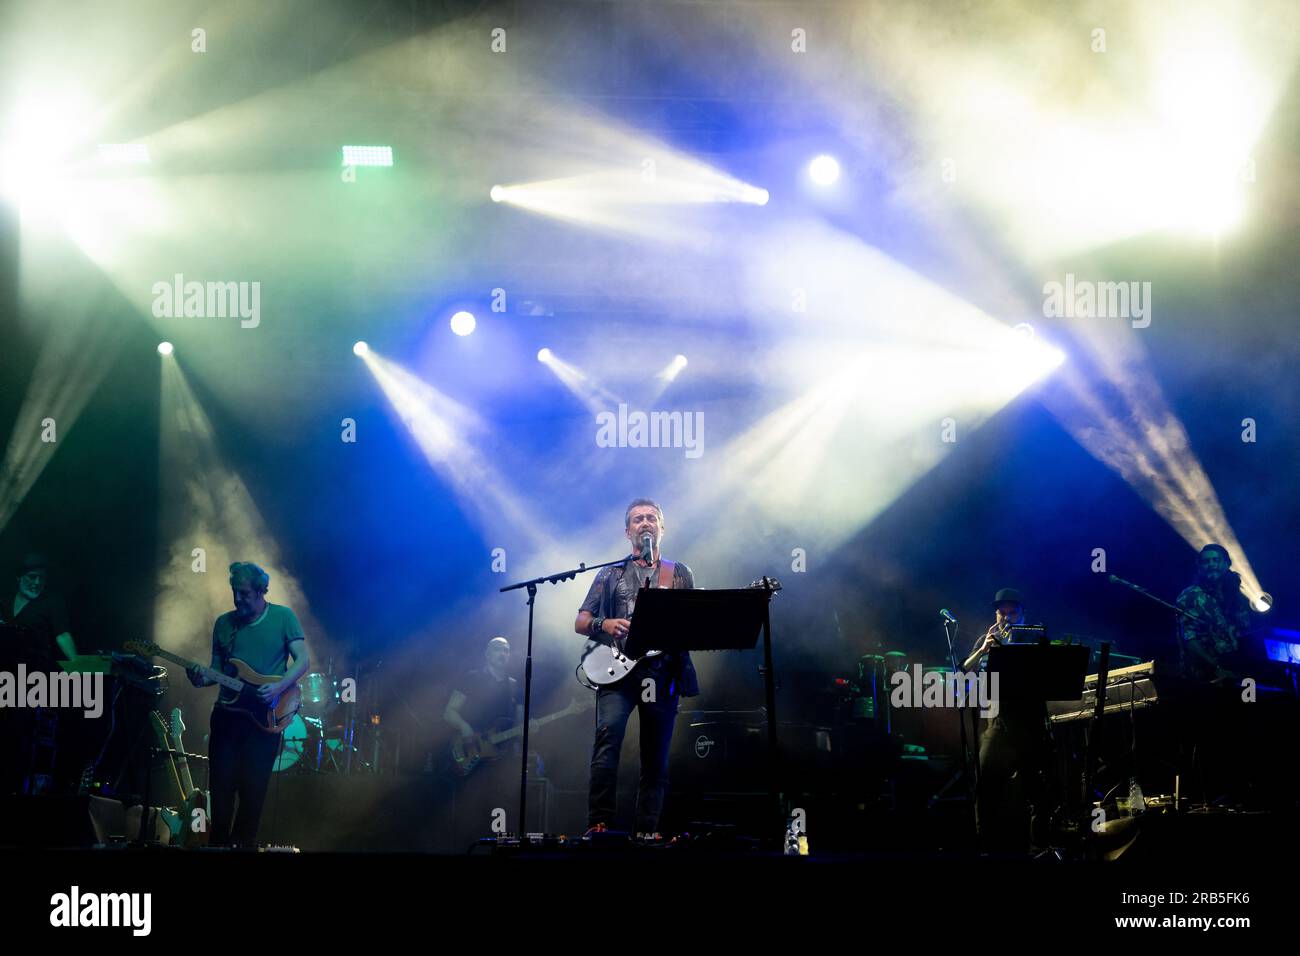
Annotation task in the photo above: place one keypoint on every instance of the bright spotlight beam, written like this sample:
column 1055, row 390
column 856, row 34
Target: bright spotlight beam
column 1061, row 170
column 667, row 375
column 74, row 359
column 204, row 503
column 596, row 397
column 881, row 359
column 628, row 200
column 1128, row 425
column 449, row 436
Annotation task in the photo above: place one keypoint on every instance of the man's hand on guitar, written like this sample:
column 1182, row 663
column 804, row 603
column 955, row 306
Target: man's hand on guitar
column 617, row 628
column 269, row 692
column 196, row 677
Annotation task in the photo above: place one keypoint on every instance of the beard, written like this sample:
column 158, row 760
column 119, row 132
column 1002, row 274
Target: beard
column 1223, row 586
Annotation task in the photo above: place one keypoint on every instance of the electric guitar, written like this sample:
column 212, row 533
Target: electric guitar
column 606, row 664
column 239, row 686
column 181, row 822
column 468, row 752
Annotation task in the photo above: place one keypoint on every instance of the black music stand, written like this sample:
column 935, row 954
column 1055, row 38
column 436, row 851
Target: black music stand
column 1039, row 672
column 678, row 620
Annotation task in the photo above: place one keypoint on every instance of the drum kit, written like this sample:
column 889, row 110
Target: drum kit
column 319, row 739
column 869, row 693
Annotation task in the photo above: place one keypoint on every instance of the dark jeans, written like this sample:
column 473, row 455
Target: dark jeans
column 240, row 760
column 614, row 705
column 1012, row 752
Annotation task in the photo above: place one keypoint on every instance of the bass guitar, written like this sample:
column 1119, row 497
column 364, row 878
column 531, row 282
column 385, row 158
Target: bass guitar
column 239, row 686
column 468, row 752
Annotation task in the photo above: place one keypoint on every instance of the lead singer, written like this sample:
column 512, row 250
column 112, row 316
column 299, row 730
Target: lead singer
column 605, row 617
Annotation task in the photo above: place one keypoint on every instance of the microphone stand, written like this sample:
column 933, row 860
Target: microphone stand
column 967, row 763
column 1173, row 607
column 531, row 585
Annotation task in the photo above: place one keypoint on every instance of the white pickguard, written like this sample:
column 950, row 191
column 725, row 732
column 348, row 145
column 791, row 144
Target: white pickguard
column 604, row 664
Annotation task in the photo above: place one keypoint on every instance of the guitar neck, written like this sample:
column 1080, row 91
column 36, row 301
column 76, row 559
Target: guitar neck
column 225, row 680
column 516, row 731
column 183, row 769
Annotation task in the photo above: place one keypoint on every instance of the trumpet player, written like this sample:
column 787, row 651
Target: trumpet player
column 1012, row 749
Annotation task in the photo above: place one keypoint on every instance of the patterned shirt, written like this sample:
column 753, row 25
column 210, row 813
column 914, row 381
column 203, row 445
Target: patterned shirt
column 1216, row 631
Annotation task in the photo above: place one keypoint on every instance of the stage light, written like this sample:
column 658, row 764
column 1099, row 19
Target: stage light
column 462, row 323
column 367, row 155
column 36, row 140
column 1263, row 603
column 165, row 348
column 824, row 170
column 361, row 348
column 665, row 376
column 623, row 198
column 595, row 396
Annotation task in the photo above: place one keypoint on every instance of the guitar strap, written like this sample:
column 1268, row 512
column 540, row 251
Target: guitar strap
column 666, row 569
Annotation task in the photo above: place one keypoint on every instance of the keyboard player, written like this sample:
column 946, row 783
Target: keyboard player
column 1212, row 641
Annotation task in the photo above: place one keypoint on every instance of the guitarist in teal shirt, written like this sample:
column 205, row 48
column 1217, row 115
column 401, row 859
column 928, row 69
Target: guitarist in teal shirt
column 265, row 636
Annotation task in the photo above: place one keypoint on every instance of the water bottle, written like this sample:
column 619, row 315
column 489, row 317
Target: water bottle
column 1136, row 802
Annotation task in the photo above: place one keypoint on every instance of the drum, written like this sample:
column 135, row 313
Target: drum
column 320, row 694
column 898, row 720
column 293, row 744
column 307, row 744
column 871, row 687
column 895, row 661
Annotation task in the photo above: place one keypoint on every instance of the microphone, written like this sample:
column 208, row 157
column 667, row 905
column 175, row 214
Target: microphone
column 947, row 616
column 647, row 547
